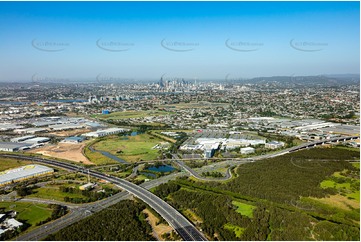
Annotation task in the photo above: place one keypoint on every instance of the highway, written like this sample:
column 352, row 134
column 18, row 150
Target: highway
column 196, row 174
column 238, row 161
column 72, row 217
column 183, row 226
column 180, row 224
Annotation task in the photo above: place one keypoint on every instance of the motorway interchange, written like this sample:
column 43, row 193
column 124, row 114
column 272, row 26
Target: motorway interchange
column 175, row 219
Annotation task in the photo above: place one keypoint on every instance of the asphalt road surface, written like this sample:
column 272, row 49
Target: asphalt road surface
column 183, row 227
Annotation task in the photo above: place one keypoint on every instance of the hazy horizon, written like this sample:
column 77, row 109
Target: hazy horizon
column 194, row 40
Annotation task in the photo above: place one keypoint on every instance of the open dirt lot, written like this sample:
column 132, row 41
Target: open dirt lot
column 157, row 229
column 65, row 151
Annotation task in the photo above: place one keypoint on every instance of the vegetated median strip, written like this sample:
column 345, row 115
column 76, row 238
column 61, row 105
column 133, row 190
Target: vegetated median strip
column 266, row 202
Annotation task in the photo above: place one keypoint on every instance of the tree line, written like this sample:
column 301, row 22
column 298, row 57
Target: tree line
column 122, row 221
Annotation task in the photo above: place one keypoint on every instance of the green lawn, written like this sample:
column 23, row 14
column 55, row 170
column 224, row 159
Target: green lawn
column 132, row 114
column 327, row 184
column 53, row 193
column 244, row 209
column 98, row 158
column 332, row 184
column 30, row 212
column 6, row 163
column 135, row 148
column 345, row 187
column 236, row 229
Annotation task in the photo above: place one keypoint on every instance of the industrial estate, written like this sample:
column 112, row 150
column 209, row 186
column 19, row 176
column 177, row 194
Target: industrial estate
column 71, row 161
column 191, row 124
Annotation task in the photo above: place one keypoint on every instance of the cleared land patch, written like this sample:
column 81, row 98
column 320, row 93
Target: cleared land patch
column 158, row 229
column 72, row 152
column 236, row 229
column 244, row 209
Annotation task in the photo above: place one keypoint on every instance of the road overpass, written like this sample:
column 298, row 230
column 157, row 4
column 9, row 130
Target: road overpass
column 237, row 161
column 323, row 142
column 78, row 215
column 180, row 224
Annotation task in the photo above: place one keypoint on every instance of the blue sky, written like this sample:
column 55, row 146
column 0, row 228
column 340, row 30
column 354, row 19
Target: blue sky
column 204, row 40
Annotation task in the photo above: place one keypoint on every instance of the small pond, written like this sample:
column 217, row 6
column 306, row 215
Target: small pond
column 163, row 168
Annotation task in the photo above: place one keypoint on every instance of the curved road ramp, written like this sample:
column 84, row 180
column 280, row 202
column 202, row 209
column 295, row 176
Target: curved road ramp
column 180, row 224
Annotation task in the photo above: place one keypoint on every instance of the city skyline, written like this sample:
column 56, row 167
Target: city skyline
column 145, row 40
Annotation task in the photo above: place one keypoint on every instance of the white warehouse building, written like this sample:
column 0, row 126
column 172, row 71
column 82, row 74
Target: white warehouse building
column 247, row 150
column 105, row 132
column 22, row 173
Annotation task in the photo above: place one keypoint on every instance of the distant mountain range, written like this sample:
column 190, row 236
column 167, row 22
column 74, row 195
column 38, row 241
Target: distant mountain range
column 327, row 80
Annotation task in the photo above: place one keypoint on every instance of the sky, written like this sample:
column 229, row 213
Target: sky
column 58, row 41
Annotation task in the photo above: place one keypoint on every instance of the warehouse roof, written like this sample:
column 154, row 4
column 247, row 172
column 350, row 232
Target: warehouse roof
column 13, row 145
column 74, row 138
column 23, row 172
column 22, row 138
column 37, row 140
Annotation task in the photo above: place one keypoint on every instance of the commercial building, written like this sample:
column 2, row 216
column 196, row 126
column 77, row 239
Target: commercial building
column 13, row 223
column 247, row 150
column 22, row 138
column 105, row 132
column 87, row 186
column 45, row 123
column 59, row 127
column 30, row 130
column 349, row 130
column 22, row 173
column 274, row 145
column 9, row 126
column 73, row 140
column 188, row 147
column 12, row 147
column 38, row 140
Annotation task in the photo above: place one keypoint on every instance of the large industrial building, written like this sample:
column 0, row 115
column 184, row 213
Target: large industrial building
column 105, row 132
column 30, row 130
column 247, row 150
column 73, row 140
column 22, row 138
column 12, row 146
column 22, row 173
column 30, row 139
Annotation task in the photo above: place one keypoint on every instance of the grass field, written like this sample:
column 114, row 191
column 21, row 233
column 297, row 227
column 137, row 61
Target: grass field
column 53, row 193
column 6, row 163
column 132, row 114
column 244, row 209
column 345, row 188
column 236, row 229
column 158, row 134
column 97, row 158
column 29, row 212
column 135, row 148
